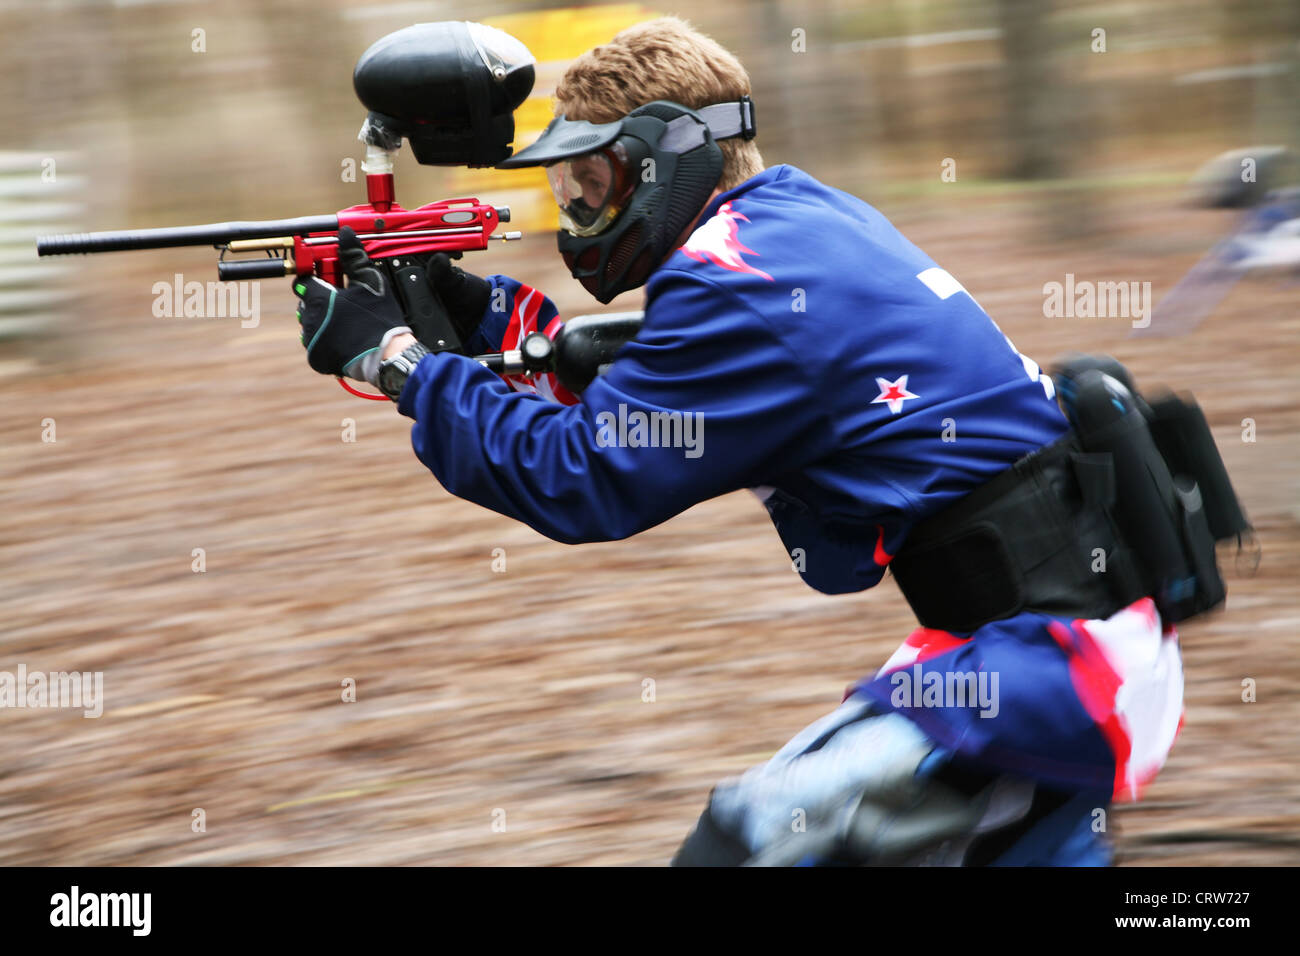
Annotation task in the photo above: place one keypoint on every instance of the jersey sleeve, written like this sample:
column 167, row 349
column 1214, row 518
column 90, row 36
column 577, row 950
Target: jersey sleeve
column 515, row 310
column 491, row 330
column 707, row 399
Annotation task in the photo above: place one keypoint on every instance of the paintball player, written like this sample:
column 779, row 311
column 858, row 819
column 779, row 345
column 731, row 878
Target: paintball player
column 881, row 417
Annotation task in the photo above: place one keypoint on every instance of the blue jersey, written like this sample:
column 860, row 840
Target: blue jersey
column 799, row 345
column 811, row 352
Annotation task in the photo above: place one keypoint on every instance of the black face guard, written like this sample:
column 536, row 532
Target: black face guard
column 628, row 189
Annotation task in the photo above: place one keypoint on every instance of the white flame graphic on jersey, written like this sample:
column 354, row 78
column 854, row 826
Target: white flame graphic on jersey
column 718, row 241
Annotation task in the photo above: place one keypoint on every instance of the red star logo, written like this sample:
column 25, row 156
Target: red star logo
column 893, row 394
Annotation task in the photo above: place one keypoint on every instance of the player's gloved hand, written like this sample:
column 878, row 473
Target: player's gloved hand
column 465, row 295
column 345, row 330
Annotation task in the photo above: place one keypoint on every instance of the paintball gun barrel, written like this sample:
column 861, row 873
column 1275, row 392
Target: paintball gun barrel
column 214, row 234
column 308, row 245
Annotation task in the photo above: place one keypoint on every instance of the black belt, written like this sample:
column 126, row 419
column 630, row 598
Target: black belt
column 1038, row 537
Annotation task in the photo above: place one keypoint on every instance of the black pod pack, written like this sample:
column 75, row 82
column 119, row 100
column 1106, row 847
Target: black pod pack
column 1173, row 499
column 1108, row 420
column 1183, row 436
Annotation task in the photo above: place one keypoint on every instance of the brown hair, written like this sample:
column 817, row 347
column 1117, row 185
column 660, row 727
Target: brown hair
column 664, row 59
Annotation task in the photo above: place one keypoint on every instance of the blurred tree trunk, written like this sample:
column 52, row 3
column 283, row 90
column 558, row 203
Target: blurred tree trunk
column 1275, row 49
column 893, row 68
column 1032, row 93
column 1046, row 117
column 789, row 83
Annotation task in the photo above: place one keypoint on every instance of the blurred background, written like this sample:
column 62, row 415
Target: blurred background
column 231, row 539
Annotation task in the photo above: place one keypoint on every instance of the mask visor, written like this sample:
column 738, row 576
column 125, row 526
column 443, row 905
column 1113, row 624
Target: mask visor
column 591, row 189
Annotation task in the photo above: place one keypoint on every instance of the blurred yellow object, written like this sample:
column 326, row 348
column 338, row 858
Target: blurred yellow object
column 566, row 32
column 556, row 37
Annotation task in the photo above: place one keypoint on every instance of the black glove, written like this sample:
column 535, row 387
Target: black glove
column 465, row 295
column 342, row 328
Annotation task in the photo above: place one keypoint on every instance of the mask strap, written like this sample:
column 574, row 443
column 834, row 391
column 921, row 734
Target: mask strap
column 730, row 119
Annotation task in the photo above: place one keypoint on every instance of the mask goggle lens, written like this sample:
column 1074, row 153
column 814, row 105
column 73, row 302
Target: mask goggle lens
column 590, row 189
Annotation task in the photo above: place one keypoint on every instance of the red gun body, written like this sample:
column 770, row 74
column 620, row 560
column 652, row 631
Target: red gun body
column 308, row 245
column 387, row 230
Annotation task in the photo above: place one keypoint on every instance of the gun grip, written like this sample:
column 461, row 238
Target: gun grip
column 424, row 311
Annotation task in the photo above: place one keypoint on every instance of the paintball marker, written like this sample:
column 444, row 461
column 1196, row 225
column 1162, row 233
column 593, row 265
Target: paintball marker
column 450, row 89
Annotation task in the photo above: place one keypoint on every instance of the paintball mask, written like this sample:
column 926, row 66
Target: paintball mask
column 627, row 189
